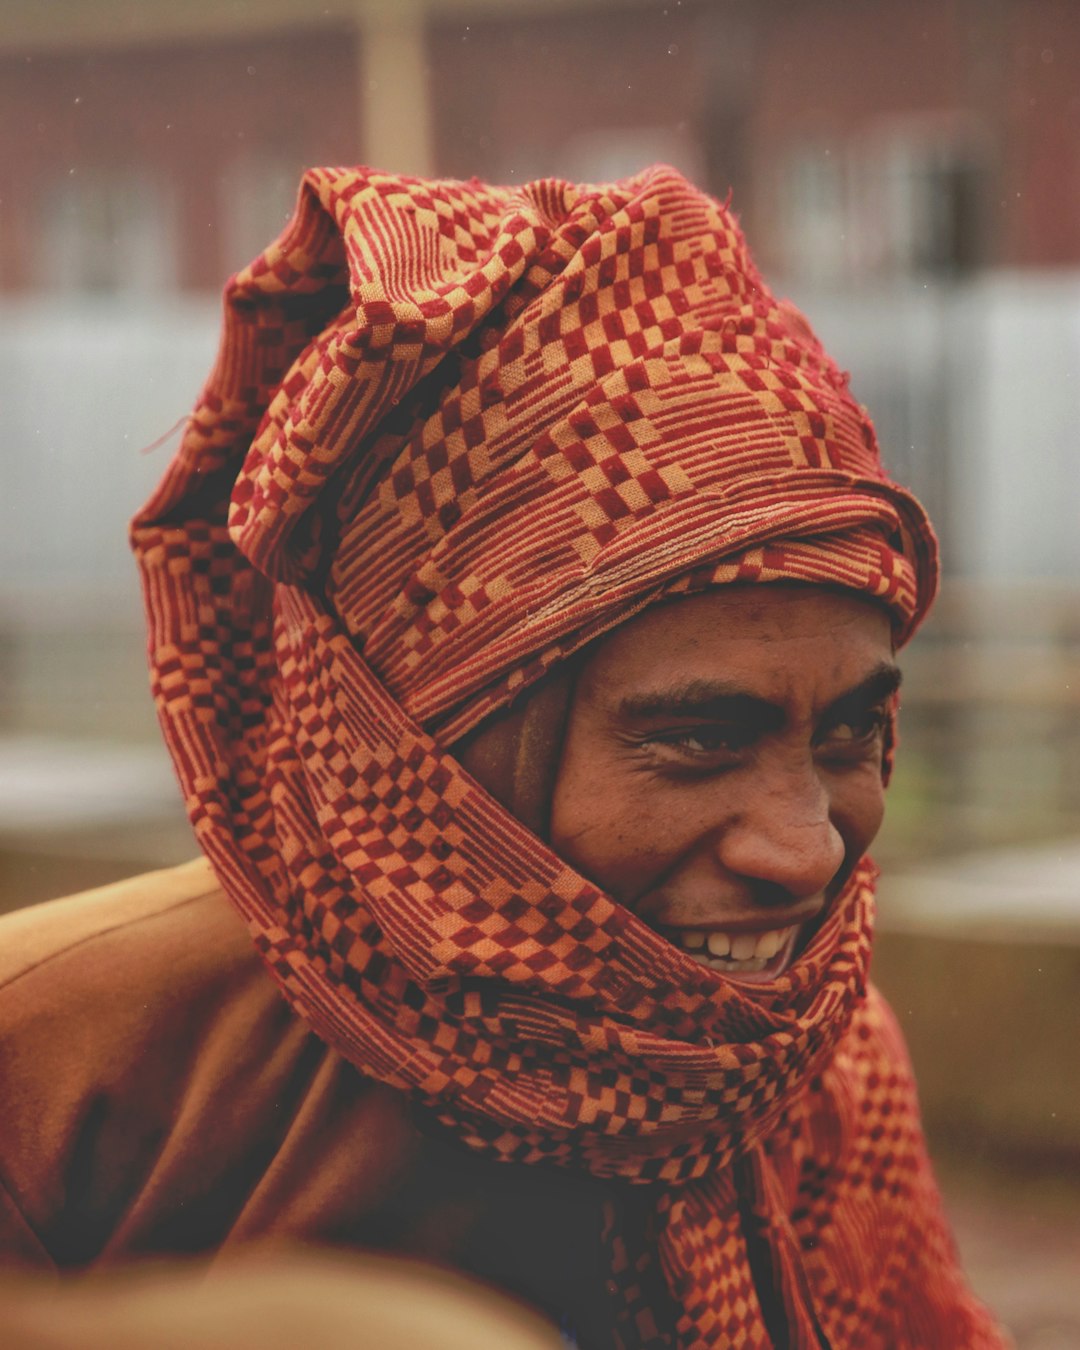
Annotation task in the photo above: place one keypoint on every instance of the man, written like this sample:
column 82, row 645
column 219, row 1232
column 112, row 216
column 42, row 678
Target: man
column 522, row 605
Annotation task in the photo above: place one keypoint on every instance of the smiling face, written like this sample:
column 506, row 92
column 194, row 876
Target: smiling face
column 721, row 772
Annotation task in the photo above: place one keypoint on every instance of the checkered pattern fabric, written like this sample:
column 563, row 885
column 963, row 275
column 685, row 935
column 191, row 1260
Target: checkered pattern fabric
column 453, row 433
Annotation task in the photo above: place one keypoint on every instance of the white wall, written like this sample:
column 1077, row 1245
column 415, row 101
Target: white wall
column 84, row 388
column 975, row 390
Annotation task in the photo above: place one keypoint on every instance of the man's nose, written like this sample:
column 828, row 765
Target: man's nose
column 784, row 837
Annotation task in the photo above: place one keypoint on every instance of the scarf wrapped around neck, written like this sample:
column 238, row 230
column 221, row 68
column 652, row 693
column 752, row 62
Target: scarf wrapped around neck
column 455, row 432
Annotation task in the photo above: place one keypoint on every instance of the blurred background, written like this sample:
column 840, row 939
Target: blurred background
column 907, row 170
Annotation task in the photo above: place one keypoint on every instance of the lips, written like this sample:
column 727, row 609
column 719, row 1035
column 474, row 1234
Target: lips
column 754, row 956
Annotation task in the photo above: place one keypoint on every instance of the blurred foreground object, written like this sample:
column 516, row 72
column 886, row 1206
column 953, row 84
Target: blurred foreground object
column 303, row 1299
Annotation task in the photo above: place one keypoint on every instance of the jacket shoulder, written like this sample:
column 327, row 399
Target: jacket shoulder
column 56, row 929
column 119, row 972
column 121, row 1010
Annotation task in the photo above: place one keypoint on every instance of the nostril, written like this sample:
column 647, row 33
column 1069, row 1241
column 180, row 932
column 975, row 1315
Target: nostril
column 771, row 895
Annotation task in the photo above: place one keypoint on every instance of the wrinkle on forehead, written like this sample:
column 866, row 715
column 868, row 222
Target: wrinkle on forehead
column 747, row 641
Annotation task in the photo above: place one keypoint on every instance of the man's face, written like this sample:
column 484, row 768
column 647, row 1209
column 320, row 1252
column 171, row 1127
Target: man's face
column 721, row 774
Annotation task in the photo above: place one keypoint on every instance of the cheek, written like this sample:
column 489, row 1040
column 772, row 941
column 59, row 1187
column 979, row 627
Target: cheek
column 605, row 829
column 856, row 807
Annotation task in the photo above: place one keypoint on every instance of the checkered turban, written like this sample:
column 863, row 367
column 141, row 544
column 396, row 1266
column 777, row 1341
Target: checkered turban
column 453, row 433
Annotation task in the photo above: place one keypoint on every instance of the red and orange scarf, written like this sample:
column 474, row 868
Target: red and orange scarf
column 453, row 433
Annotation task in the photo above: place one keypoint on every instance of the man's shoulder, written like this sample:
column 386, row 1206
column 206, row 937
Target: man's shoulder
column 148, row 1062
column 126, row 926
column 155, row 961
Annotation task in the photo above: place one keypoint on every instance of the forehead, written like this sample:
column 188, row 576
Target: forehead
column 766, row 638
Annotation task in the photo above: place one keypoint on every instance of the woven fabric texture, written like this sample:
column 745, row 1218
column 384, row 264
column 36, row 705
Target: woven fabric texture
column 453, row 433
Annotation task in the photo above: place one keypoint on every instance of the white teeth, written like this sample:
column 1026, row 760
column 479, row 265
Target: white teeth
column 768, row 944
column 751, row 950
column 722, row 963
column 743, row 946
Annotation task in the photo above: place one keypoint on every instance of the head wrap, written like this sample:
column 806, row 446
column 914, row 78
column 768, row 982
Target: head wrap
column 453, row 433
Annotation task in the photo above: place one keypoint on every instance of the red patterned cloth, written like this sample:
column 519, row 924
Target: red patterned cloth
column 453, row 433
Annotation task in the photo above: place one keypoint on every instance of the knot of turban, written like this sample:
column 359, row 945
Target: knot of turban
column 453, row 433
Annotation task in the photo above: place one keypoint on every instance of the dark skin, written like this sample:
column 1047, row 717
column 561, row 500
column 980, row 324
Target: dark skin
column 721, row 772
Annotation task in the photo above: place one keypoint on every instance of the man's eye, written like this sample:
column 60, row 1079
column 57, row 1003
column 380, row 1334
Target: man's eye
column 697, row 743
column 859, row 729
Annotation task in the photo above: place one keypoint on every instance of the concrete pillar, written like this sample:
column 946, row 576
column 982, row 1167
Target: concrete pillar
column 395, row 98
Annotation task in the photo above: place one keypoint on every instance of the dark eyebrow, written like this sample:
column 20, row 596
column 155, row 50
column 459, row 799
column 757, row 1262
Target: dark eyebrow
column 716, row 700
column 878, row 686
column 710, row 700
